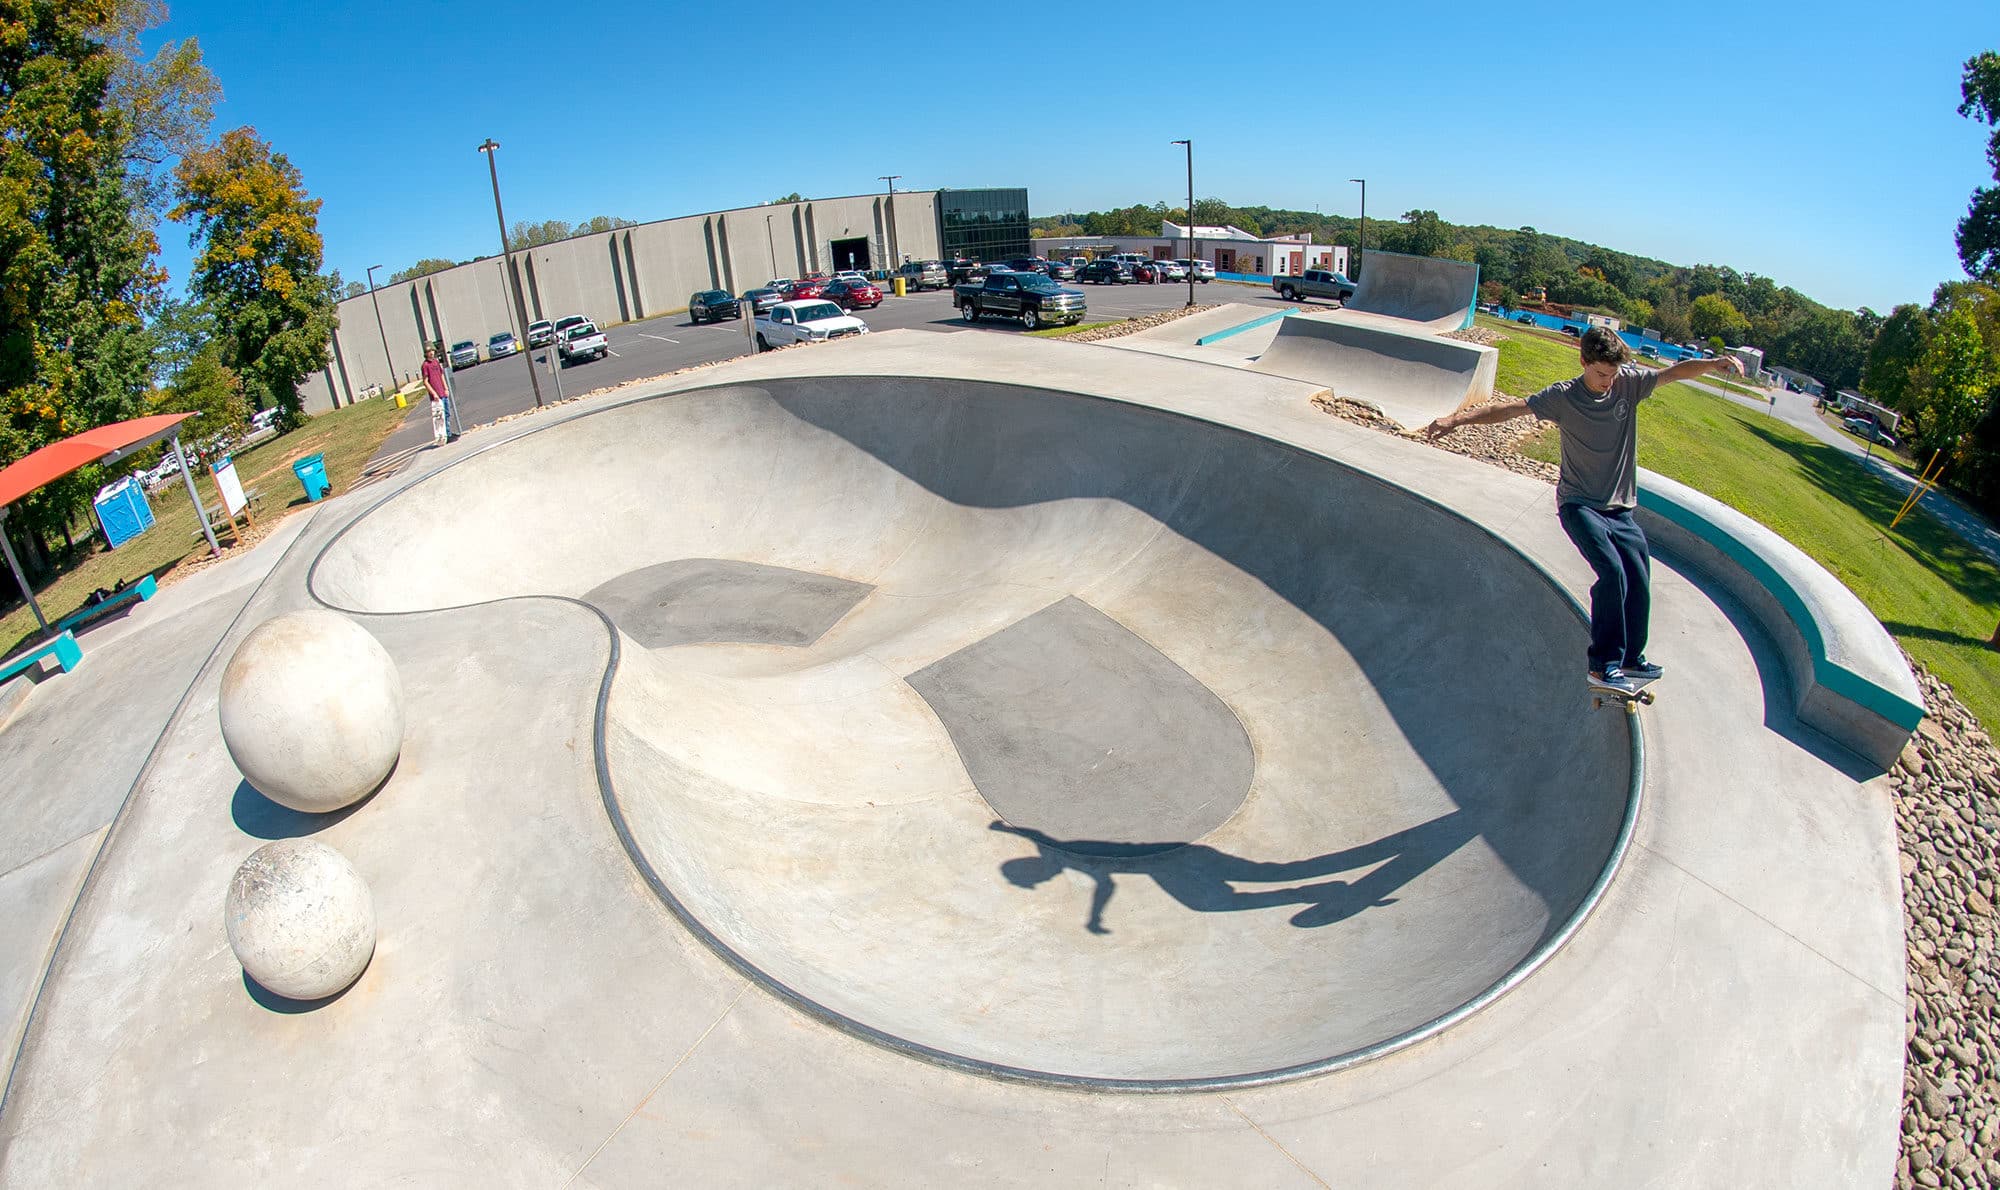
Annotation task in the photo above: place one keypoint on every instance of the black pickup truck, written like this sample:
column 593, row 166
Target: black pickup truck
column 1322, row 283
column 1030, row 297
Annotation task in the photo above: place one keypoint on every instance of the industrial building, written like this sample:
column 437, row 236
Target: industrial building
column 1230, row 249
column 648, row 269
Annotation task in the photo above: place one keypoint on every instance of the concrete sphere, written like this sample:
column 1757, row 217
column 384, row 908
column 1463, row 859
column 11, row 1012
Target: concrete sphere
column 300, row 919
column 312, row 711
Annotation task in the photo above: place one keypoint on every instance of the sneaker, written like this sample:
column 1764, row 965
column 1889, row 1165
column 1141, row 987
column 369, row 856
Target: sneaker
column 1642, row 671
column 1613, row 678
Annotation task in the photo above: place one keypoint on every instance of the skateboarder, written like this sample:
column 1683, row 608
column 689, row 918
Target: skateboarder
column 1598, row 489
column 440, row 394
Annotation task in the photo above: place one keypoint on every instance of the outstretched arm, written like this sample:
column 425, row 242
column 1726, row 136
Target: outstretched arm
column 1688, row 369
column 1485, row 415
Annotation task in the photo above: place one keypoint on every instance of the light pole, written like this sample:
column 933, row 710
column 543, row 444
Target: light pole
column 893, row 243
column 1363, row 251
column 377, row 302
column 1189, row 145
column 507, row 281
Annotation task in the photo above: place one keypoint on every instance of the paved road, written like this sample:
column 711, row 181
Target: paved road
column 1797, row 409
column 660, row 345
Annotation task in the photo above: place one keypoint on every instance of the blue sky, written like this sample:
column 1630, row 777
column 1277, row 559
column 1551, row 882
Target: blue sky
column 1814, row 143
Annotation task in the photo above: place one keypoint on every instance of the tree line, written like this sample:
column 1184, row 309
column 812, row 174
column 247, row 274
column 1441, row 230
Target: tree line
column 522, row 235
column 99, row 143
column 1706, row 303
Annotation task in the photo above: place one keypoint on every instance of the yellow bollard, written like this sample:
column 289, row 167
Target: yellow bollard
column 400, row 402
column 902, row 287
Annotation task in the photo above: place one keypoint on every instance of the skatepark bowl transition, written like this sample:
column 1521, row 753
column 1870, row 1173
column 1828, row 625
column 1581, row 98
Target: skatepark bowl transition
column 1021, row 763
column 931, row 646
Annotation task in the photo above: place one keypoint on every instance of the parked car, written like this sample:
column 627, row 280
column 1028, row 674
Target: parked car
column 1170, row 270
column 924, row 274
column 762, row 298
column 808, row 321
column 582, row 341
column 1061, row 270
column 565, row 322
column 502, row 345
column 262, row 420
column 465, row 354
column 1525, row 319
column 1146, row 272
column 1077, row 262
column 541, row 334
column 851, row 275
column 1105, row 272
column 1030, row 297
column 1574, row 332
column 1868, row 428
column 1204, row 271
column 781, row 284
column 853, row 295
column 959, row 271
column 712, row 305
column 1320, row 283
column 805, row 288
column 1028, row 264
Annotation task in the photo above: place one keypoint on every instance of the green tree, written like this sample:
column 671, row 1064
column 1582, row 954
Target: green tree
column 258, row 267
column 208, row 387
column 1958, row 377
column 423, row 268
column 1422, row 234
column 1824, row 343
column 77, row 276
column 1639, row 312
column 167, row 100
column 529, row 235
column 794, row 196
column 597, row 223
column 1979, row 231
column 1712, row 316
column 353, row 289
column 1897, row 349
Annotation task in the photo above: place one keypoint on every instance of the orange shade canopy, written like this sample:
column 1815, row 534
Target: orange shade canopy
column 58, row 459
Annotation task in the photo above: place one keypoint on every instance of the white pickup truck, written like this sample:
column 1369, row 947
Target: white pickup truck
column 581, row 342
column 809, row 320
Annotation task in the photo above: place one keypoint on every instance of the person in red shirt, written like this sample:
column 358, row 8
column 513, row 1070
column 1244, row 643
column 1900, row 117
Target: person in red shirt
column 440, row 392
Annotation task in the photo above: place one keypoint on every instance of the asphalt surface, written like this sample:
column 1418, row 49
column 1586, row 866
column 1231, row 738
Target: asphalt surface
column 656, row 346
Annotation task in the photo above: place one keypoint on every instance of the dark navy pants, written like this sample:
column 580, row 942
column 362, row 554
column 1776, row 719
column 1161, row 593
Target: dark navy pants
column 1621, row 601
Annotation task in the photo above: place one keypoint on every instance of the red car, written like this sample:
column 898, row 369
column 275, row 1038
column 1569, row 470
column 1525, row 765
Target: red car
column 809, row 287
column 853, row 295
column 1146, row 273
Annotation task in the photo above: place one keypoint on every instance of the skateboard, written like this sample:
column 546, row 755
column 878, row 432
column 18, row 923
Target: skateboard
column 438, row 431
column 1599, row 695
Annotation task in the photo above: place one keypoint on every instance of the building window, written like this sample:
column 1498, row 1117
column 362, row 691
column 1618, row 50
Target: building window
column 985, row 225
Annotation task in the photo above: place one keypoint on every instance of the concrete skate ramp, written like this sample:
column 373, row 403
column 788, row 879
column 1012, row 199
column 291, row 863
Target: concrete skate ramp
column 1411, row 375
column 1440, row 294
column 1048, row 736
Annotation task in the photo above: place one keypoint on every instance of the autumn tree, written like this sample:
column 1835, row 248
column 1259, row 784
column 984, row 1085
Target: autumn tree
column 423, row 268
column 1712, row 316
column 76, row 267
column 258, row 265
column 166, row 99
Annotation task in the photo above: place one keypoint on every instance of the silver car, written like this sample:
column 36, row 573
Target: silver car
column 464, row 355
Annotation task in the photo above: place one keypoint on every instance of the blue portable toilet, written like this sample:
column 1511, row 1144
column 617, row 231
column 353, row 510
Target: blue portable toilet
column 122, row 511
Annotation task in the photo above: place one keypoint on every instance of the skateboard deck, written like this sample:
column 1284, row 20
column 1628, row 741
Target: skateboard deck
column 437, row 421
column 1601, row 694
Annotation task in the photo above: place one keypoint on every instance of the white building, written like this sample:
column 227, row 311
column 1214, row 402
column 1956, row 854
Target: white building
column 1229, row 249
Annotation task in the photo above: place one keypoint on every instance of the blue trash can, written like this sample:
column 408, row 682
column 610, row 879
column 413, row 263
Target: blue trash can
column 311, row 471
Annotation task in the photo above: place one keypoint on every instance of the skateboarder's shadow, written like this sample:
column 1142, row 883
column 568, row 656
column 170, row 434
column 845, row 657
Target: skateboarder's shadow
column 1201, row 878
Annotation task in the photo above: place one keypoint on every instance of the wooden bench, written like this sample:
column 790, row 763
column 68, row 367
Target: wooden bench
column 140, row 591
column 63, row 648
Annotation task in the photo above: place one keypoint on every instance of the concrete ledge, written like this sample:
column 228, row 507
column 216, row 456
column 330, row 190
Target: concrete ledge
column 1406, row 371
column 1849, row 679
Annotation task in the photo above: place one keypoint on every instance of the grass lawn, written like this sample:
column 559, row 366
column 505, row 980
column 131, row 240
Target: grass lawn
column 1937, row 595
column 1057, row 332
column 347, row 437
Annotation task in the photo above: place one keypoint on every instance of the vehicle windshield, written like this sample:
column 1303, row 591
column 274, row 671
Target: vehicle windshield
column 502, row 337
column 580, row 330
column 711, row 295
column 1037, row 281
column 818, row 311
column 468, row 345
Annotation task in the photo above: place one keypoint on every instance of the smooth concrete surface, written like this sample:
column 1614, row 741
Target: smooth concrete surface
column 1437, row 294
column 1731, row 1014
column 1849, row 679
column 1084, row 560
column 35, row 898
column 1411, row 375
column 707, row 601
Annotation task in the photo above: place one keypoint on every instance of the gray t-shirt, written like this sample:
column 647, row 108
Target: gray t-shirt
column 1600, row 437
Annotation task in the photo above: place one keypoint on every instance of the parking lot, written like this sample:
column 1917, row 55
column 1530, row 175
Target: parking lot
column 656, row 346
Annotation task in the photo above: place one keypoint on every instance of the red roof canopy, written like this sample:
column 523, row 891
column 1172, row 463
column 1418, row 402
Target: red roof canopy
column 58, row 459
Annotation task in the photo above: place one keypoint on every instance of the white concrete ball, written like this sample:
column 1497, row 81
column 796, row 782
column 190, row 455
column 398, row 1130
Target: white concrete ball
column 300, row 919
column 312, row 711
